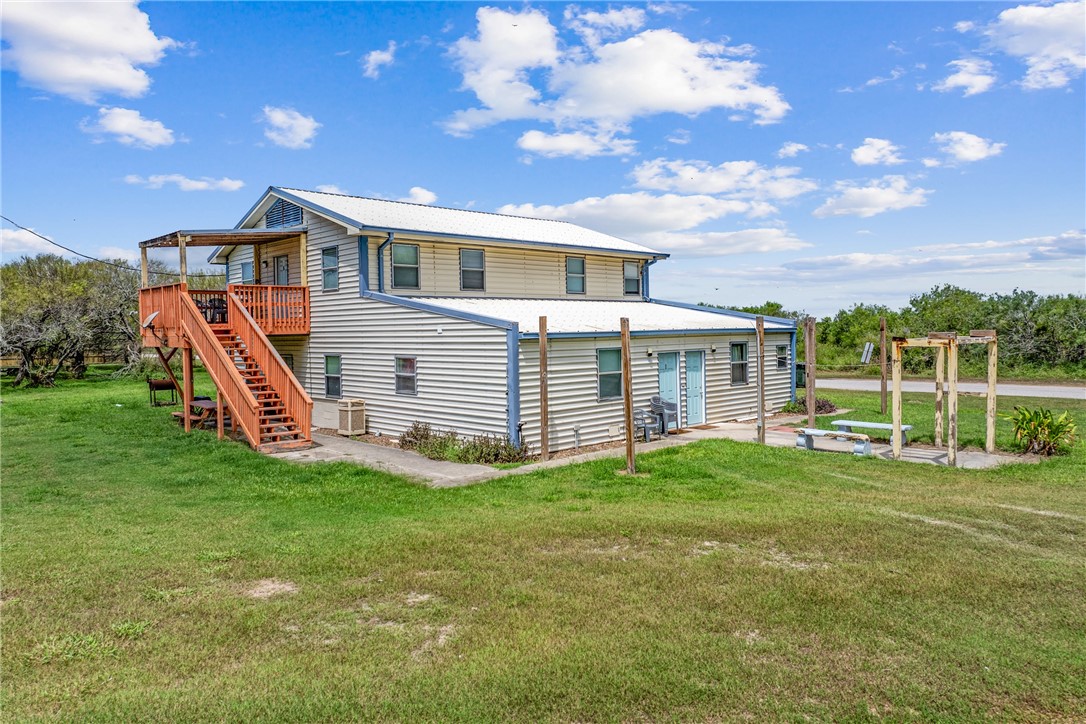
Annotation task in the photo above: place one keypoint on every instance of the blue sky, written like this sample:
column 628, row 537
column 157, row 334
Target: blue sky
column 817, row 154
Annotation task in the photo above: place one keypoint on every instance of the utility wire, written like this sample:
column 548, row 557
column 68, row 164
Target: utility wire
column 100, row 261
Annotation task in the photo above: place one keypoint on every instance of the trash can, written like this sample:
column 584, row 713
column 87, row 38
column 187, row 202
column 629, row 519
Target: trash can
column 801, row 375
column 352, row 417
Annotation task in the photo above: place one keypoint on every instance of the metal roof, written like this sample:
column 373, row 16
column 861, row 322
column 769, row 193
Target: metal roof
column 575, row 316
column 385, row 215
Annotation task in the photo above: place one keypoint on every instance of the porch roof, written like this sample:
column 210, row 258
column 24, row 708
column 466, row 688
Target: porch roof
column 223, row 237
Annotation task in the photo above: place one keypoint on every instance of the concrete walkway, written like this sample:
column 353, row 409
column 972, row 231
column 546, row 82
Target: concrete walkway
column 1011, row 389
column 442, row 474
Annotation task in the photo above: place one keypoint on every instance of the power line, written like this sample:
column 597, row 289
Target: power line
column 91, row 258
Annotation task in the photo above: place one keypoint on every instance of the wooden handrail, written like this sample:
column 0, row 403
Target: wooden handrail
column 167, row 325
column 221, row 367
column 297, row 402
column 277, row 309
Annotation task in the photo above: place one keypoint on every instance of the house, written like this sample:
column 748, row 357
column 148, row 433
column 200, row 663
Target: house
column 432, row 314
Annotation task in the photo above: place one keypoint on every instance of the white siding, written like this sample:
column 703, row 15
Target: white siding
column 572, row 384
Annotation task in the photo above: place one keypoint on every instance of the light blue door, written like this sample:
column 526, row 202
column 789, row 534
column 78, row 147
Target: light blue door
column 695, row 388
column 669, row 379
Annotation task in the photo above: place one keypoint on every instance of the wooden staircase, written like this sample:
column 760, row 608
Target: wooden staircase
column 276, row 427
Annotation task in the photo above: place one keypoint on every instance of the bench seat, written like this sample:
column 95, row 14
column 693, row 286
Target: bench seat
column 848, row 425
column 805, row 439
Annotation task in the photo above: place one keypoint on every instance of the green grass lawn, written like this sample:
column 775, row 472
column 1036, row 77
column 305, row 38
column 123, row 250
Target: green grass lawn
column 734, row 581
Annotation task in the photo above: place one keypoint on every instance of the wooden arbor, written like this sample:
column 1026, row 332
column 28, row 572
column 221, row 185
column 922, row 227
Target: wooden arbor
column 946, row 344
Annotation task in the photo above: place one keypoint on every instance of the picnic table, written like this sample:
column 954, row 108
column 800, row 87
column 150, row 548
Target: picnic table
column 202, row 413
column 848, row 425
column 861, row 443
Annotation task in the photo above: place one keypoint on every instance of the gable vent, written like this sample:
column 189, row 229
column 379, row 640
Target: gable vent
column 283, row 213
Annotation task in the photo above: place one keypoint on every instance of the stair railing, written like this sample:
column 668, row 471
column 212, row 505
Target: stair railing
column 222, row 368
column 297, row 402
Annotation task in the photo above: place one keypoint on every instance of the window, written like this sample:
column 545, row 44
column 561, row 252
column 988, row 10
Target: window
column 288, row 360
column 739, row 363
column 283, row 213
column 406, row 376
column 247, row 272
column 330, row 268
column 575, row 275
column 609, row 371
column 631, row 277
column 405, row 266
column 472, row 269
column 333, row 376
column 782, row 356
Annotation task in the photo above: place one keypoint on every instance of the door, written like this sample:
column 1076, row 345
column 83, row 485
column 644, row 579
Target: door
column 695, row 388
column 669, row 379
column 282, row 270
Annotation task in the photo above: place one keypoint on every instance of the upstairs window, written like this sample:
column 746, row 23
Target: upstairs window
column 333, row 376
column 609, row 373
column 405, row 266
column 782, row 356
column 631, row 277
column 575, row 275
column 407, row 376
column 739, row 363
column 247, row 272
column 283, row 213
column 472, row 270
column 330, row 268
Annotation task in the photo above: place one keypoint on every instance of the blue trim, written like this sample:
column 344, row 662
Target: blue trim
column 228, row 271
column 512, row 383
column 641, row 333
column 254, row 207
column 645, row 278
column 792, row 362
column 790, row 323
column 363, row 262
column 381, row 262
column 411, row 303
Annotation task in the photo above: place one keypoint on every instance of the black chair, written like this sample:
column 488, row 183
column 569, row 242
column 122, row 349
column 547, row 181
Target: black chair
column 216, row 311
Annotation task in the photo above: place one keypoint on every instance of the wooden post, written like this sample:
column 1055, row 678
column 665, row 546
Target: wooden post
column 990, row 415
column 182, row 259
column 186, row 373
column 303, row 258
column 952, row 404
column 256, row 263
column 940, row 375
column 627, row 396
column 760, row 322
column 144, row 273
column 882, row 362
column 221, row 413
column 544, row 412
column 896, row 406
column 809, row 353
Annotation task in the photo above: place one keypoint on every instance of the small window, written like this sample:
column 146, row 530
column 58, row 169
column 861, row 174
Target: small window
column 609, row 370
column 405, row 266
column 631, row 277
column 782, row 356
column 739, row 363
column 406, row 376
column 575, row 275
column 247, row 272
column 472, row 270
column 288, row 359
column 333, row 376
column 283, row 213
column 330, row 268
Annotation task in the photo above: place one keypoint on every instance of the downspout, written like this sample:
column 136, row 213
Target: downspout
column 793, row 361
column 381, row 261
column 512, row 384
column 645, row 279
column 363, row 264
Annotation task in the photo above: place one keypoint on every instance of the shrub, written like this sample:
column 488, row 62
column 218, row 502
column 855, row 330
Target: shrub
column 490, row 449
column 415, row 436
column 799, row 405
column 484, row 449
column 1039, row 431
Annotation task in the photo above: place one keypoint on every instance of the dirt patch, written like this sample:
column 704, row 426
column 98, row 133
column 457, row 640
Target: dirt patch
column 269, row 587
column 437, row 638
column 414, row 598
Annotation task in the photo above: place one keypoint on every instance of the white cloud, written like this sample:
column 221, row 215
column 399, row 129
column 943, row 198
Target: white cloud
column 288, row 128
column 577, row 144
column 518, row 70
column 17, row 242
column 965, row 147
column 373, row 61
column 964, row 26
column 725, row 243
column 1048, row 38
column 972, row 74
column 129, row 128
column 1068, row 245
column 204, row 183
column 81, row 50
column 119, row 252
column 419, row 195
column 890, row 193
column 330, row 189
column 875, row 151
column 791, row 149
column 931, row 162
column 877, row 80
column 680, row 137
column 735, row 179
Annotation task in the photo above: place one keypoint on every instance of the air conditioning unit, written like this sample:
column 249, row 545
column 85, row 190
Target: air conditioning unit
column 352, row 417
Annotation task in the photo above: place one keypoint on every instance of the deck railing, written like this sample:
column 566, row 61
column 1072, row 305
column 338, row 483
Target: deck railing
column 165, row 328
column 277, row 309
column 297, row 403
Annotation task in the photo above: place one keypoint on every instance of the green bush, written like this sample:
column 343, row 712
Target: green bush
column 799, row 406
column 417, row 435
column 1039, row 431
column 483, row 449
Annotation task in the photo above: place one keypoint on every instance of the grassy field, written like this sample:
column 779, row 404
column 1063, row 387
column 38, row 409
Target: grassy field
column 157, row 576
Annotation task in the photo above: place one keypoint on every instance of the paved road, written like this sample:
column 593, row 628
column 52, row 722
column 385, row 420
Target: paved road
column 1009, row 389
